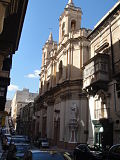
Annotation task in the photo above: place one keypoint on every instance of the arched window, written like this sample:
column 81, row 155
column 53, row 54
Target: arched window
column 63, row 29
column 73, row 25
column 60, row 69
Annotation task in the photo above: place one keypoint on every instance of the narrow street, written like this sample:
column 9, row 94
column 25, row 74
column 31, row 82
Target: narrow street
column 59, row 80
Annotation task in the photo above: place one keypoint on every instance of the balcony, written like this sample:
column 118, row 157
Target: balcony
column 12, row 13
column 7, row 63
column 4, row 78
column 96, row 72
column 4, row 82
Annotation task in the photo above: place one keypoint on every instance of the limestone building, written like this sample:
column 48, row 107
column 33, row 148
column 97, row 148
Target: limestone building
column 20, row 99
column 8, row 106
column 101, row 80
column 12, row 14
column 62, row 107
column 25, row 120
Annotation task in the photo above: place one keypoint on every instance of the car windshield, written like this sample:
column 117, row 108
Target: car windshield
column 47, row 156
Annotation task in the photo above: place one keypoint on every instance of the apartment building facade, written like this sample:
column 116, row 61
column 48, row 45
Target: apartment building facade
column 101, row 80
column 12, row 14
column 20, row 99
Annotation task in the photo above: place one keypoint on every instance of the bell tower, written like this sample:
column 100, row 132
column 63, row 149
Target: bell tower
column 49, row 45
column 69, row 20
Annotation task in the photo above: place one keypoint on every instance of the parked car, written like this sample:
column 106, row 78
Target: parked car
column 17, row 151
column 21, row 148
column 114, row 152
column 42, row 143
column 44, row 155
column 19, row 139
column 87, row 152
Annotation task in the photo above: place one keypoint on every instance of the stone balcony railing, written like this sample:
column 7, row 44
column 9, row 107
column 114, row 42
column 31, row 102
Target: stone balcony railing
column 79, row 33
column 96, row 71
column 75, row 34
column 82, row 32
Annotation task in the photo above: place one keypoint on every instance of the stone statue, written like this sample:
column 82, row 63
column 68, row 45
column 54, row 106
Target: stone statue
column 74, row 111
column 73, row 124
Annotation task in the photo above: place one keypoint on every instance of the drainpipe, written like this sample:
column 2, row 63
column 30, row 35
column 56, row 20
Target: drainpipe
column 114, row 85
column 113, row 68
column 112, row 52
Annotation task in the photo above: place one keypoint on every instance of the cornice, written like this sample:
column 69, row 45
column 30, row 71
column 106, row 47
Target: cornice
column 57, row 88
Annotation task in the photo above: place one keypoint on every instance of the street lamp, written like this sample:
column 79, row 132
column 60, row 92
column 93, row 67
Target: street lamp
column 3, row 7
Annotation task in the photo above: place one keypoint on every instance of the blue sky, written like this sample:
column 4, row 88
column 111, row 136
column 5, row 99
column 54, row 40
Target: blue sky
column 42, row 17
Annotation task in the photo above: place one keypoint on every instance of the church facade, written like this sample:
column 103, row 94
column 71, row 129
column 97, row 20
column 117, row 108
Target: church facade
column 62, row 106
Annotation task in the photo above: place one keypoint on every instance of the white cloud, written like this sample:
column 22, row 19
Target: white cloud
column 12, row 87
column 33, row 75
